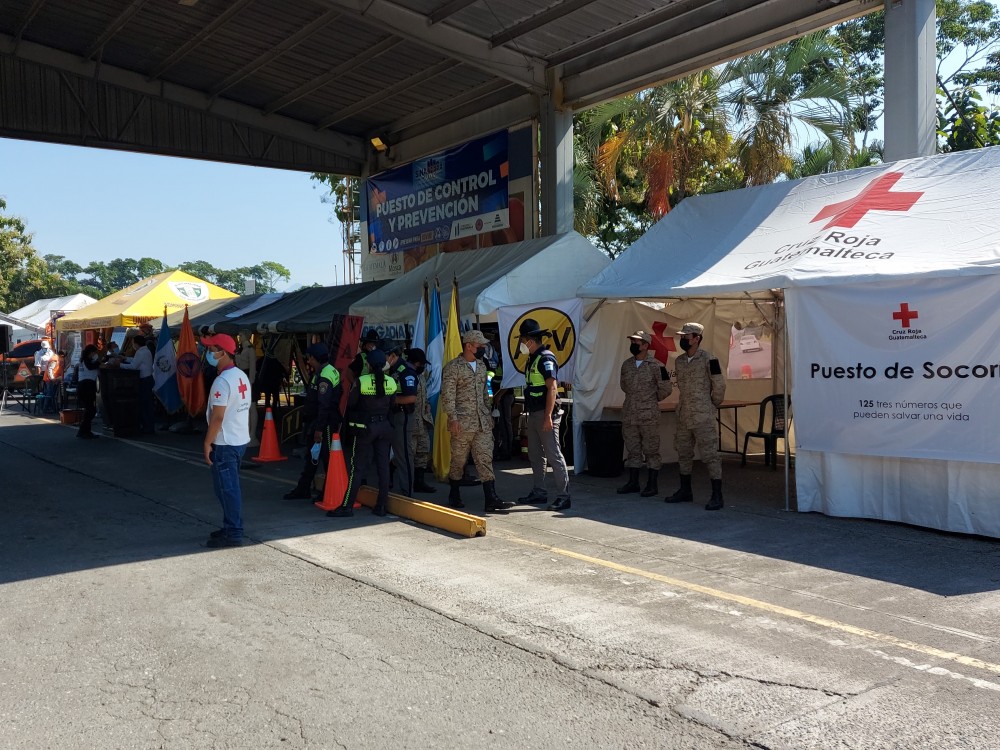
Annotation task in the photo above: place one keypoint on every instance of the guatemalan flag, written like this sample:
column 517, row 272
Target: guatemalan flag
column 420, row 324
column 435, row 348
column 165, row 370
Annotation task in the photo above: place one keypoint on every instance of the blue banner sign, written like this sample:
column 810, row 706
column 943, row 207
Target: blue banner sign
column 458, row 193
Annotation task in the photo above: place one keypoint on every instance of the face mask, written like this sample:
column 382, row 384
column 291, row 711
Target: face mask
column 686, row 344
column 213, row 358
column 634, row 348
column 480, row 352
column 523, row 348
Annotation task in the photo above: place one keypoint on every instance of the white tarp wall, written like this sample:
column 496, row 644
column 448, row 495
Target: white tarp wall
column 911, row 220
column 602, row 347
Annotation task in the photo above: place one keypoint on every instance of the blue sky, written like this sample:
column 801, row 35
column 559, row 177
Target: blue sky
column 92, row 204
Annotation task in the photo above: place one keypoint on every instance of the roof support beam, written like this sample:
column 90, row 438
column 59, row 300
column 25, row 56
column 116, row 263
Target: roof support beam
column 320, row 81
column 383, row 94
column 448, row 9
column 466, row 48
column 27, row 18
column 271, row 55
column 198, row 38
column 114, row 27
column 537, row 21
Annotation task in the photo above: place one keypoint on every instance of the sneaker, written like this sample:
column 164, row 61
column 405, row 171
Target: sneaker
column 340, row 512
column 562, row 502
column 223, row 541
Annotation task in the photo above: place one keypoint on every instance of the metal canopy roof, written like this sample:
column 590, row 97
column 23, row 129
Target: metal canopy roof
column 304, row 84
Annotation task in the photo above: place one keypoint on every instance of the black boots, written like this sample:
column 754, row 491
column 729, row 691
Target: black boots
column 493, row 503
column 455, row 496
column 650, row 488
column 715, row 502
column 632, row 485
column 683, row 495
column 419, row 485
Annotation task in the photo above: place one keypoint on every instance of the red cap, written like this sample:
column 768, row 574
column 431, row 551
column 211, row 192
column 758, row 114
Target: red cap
column 222, row 340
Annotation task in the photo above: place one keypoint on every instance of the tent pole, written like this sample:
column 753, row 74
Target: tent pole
column 784, row 393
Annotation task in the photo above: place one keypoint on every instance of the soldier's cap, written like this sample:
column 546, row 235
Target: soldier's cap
column 642, row 336
column 376, row 359
column 318, row 351
column 696, row 328
column 474, row 337
column 222, row 340
column 416, row 357
column 371, row 336
column 529, row 327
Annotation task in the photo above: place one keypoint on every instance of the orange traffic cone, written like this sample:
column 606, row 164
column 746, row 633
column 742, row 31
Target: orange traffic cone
column 269, row 442
column 336, row 477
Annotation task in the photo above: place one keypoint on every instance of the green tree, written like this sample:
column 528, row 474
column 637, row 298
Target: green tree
column 15, row 253
column 965, row 123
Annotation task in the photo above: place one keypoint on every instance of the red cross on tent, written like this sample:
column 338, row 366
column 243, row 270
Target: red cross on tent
column 904, row 315
column 663, row 342
column 877, row 196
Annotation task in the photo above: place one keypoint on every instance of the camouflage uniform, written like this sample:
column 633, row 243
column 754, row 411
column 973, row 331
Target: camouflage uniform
column 703, row 387
column 419, row 442
column 463, row 397
column 644, row 386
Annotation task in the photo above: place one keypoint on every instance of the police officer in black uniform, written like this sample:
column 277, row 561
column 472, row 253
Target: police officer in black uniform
column 321, row 417
column 359, row 365
column 401, row 415
column 368, row 404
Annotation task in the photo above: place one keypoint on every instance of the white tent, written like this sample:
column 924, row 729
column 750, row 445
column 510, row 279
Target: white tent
column 877, row 236
column 40, row 312
column 539, row 270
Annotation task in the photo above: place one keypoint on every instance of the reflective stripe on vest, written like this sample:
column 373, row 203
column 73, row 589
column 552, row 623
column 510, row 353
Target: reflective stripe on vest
column 367, row 385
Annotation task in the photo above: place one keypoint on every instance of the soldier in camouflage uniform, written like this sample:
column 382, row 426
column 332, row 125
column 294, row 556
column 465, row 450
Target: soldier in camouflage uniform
column 703, row 387
column 420, row 444
column 645, row 382
column 470, row 421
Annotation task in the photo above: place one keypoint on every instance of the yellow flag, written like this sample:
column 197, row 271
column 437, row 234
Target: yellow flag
column 452, row 348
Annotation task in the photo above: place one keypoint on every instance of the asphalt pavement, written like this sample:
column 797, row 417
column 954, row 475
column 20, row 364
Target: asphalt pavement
column 621, row 623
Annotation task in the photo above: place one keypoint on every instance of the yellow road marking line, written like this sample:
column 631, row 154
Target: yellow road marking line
column 746, row 601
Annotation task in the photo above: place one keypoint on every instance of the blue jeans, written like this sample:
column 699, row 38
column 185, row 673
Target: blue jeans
column 226, row 481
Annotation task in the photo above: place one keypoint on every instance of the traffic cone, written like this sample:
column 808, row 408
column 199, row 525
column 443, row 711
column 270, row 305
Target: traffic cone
column 268, row 450
column 336, row 477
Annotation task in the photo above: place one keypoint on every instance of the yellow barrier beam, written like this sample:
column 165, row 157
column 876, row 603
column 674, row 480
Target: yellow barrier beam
column 429, row 514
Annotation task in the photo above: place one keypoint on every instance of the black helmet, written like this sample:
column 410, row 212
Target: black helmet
column 529, row 327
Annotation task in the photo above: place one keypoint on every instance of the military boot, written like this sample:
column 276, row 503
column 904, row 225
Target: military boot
column 455, row 495
column 632, row 485
column 493, row 503
column 715, row 502
column 683, row 495
column 650, row 489
column 419, row 485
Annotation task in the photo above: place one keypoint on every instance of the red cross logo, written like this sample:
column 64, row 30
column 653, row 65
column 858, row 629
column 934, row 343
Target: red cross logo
column 242, row 388
column 663, row 343
column 218, row 395
column 904, row 315
column 876, row 197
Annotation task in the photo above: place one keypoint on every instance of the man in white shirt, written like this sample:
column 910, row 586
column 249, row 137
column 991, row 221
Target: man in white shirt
column 42, row 357
column 227, row 437
column 142, row 361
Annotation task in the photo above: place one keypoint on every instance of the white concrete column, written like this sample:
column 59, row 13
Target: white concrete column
column 910, row 84
column 556, row 159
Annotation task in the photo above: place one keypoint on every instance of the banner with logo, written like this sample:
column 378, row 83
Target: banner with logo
column 907, row 369
column 458, row 193
column 561, row 318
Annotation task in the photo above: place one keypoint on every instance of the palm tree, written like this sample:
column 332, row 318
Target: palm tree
column 818, row 158
column 797, row 87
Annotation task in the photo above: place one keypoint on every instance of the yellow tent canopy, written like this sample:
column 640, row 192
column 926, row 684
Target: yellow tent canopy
column 144, row 301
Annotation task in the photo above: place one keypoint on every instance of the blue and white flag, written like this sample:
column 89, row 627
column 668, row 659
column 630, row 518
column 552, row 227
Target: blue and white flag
column 435, row 349
column 420, row 324
column 165, row 370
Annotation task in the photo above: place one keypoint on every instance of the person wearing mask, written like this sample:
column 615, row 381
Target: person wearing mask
column 42, row 357
column 320, row 417
column 86, row 390
column 418, row 440
column 645, row 382
column 227, row 436
column 470, row 422
column 541, row 402
column 368, row 405
column 702, row 385
column 246, row 360
column 142, row 361
column 401, row 415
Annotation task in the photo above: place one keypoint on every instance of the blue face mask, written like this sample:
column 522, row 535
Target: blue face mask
column 213, row 358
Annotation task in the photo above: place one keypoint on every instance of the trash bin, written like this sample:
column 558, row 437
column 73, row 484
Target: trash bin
column 120, row 400
column 605, row 448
